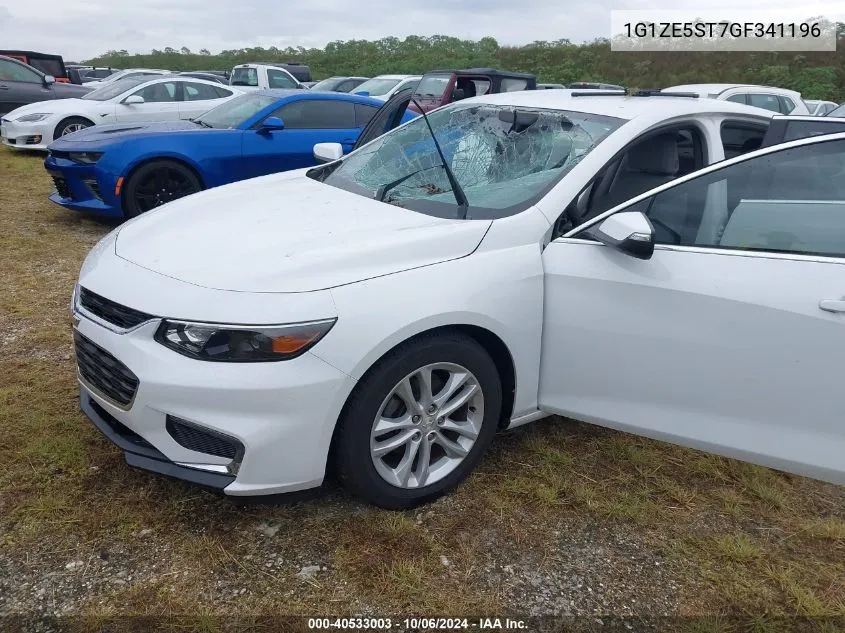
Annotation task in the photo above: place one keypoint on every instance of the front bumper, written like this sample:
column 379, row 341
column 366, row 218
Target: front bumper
column 27, row 136
column 83, row 187
column 282, row 414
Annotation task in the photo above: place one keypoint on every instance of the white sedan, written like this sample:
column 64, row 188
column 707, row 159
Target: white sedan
column 389, row 314
column 133, row 100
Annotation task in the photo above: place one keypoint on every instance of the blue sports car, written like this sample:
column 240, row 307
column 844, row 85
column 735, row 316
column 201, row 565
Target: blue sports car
column 121, row 171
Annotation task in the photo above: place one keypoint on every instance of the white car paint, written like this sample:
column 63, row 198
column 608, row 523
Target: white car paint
column 725, row 351
column 113, row 110
column 126, row 73
column 820, row 108
column 262, row 77
column 401, row 82
column 729, row 92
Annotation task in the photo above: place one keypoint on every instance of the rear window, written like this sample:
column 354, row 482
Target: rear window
column 806, row 129
column 244, row 77
column 48, row 66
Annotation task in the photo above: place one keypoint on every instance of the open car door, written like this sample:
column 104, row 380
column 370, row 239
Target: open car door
column 388, row 117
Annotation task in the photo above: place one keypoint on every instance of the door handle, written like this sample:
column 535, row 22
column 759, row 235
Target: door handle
column 4, row 87
column 832, row 305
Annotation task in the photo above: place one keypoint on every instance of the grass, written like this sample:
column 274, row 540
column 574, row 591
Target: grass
column 712, row 538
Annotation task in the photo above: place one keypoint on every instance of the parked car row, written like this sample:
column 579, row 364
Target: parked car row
column 599, row 256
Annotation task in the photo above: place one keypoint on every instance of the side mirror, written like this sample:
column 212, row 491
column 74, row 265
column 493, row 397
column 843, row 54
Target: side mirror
column 49, row 80
column 630, row 232
column 328, row 152
column 133, row 100
column 272, row 123
column 363, row 93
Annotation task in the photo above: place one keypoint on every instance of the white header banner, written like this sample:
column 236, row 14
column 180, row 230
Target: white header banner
column 721, row 30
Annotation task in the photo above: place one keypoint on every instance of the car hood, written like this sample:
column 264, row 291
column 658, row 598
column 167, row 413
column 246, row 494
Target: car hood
column 122, row 131
column 289, row 233
column 52, row 106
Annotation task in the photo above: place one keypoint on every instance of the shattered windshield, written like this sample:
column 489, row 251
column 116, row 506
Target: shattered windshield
column 503, row 158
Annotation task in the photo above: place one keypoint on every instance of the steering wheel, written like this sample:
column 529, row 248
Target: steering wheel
column 676, row 237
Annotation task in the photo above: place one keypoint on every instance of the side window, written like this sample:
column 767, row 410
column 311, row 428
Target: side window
column 789, row 201
column 279, row 79
column 9, row 71
column 769, row 102
column 317, row 114
column 364, row 114
column 222, row 92
column 344, row 86
column 805, row 129
column 741, row 138
column 199, row 92
column 786, row 105
column 513, row 85
column 158, row 93
column 740, row 98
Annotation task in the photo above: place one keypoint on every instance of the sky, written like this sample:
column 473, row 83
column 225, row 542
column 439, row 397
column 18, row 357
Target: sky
column 81, row 29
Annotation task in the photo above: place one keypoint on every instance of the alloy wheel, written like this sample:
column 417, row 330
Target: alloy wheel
column 427, row 425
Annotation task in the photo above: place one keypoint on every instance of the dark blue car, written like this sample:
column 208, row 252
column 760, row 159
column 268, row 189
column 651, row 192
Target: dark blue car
column 124, row 170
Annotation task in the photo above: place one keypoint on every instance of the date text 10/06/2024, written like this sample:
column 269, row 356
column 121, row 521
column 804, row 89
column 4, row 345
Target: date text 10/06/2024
column 414, row 623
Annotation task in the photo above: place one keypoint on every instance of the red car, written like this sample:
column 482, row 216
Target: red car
column 439, row 87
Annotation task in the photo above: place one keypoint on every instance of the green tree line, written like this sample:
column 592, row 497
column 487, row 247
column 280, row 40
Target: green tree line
column 817, row 75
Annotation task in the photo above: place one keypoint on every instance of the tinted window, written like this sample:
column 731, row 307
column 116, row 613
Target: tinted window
column 790, row 201
column 279, row 79
column 318, row 114
column 234, row 112
column 837, row 112
column 805, row 129
column 9, row 71
column 48, row 66
column 222, row 92
column 737, row 99
column 786, row 104
column 364, row 114
column 769, row 102
column 158, row 93
column 199, row 92
column 741, row 138
column 344, row 86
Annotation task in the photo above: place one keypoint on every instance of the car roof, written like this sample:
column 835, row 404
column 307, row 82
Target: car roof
column 395, row 76
column 281, row 93
column 176, row 76
column 484, row 71
column 708, row 89
column 612, row 104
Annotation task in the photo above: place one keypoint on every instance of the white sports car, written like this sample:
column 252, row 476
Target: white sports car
column 588, row 255
column 136, row 99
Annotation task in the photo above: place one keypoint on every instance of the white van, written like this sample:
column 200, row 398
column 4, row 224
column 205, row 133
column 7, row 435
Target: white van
column 262, row 77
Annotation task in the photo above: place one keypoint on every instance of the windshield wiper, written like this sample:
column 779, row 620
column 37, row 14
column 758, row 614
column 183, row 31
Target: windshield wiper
column 381, row 192
column 200, row 122
column 460, row 196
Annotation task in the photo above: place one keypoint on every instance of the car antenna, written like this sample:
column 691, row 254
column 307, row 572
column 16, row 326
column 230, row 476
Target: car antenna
column 460, row 196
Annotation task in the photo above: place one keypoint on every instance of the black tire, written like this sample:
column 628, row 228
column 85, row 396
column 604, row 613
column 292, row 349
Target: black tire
column 69, row 122
column 355, row 467
column 157, row 182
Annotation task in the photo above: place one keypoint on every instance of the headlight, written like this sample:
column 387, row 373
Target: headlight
column 241, row 344
column 88, row 158
column 32, row 118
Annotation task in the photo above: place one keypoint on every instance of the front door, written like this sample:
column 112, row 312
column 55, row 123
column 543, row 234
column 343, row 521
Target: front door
column 161, row 103
column 731, row 337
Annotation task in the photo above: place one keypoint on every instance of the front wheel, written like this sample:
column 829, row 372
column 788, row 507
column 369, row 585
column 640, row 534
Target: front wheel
column 156, row 183
column 420, row 421
column 71, row 125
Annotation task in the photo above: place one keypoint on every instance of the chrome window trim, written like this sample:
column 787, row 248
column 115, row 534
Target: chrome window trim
column 708, row 250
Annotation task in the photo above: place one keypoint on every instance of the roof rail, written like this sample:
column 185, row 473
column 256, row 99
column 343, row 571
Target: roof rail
column 658, row 93
column 599, row 93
